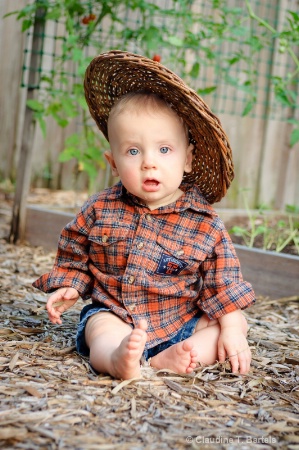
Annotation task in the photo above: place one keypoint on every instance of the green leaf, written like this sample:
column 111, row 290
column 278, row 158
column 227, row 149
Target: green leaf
column 26, row 24
column 73, row 140
column 68, row 107
column 61, row 121
column 248, row 107
column 260, row 230
column 206, row 90
column 294, row 137
column 90, row 168
column 10, row 14
column 27, row 11
column 69, row 153
column 292, row 209
column 293, row 121
column 54, row 14
column 194, row 72
column 282, row 97
column 35, row 105
column 176, row 41
column 82, row 102
column 94, row 154
column 234, row 60
column 281, row 223
column 42, row 124
column 77, row 54
column 238, row 231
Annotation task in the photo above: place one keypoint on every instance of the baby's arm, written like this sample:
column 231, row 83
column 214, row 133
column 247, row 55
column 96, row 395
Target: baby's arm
column 59, row 302
column 232, row 342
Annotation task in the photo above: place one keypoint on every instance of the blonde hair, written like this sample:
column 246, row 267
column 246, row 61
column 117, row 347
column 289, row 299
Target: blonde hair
column 144, row 100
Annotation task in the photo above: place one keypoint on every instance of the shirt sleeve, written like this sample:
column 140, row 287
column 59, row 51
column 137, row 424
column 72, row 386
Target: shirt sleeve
column 223, row 289
column 71, row 267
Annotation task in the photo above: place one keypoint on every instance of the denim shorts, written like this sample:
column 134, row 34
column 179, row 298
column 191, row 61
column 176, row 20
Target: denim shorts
column 89, row 310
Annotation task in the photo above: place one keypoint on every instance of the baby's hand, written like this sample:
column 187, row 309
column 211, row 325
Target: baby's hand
column 233, row 344
column 59, row 302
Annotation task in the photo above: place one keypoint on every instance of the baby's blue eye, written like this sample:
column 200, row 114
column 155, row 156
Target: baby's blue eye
column 164, row 149
column 133, row 151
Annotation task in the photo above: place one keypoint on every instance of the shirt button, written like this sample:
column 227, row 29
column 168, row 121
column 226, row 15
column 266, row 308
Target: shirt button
column 148, row 217
column 140, row 245
column 131, row 279
column 180, row 252
column 133, row 306
column 104, row 238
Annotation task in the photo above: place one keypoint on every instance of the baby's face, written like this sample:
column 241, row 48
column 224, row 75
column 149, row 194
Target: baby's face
column 150, row 153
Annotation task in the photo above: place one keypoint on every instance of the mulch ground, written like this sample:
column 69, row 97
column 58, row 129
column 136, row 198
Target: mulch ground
column 50, row 399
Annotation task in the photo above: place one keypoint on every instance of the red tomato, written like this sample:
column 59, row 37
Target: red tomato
column 157, row 58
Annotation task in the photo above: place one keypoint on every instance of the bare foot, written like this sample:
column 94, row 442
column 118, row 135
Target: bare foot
column 126, row 358
column 180, row 358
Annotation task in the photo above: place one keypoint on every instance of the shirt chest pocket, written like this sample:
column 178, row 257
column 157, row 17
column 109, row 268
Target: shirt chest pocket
column 177, row 259
column 110, row 246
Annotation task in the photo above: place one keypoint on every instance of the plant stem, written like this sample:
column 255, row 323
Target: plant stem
column 286, row 242
column 259, row 19
column 273, row 31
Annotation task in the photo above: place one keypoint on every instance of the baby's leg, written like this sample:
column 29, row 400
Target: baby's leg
column 115, row 347
column 181, row 358
column 202, row 347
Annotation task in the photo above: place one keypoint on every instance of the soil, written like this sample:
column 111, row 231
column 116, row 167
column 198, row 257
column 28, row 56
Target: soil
column 273, row 224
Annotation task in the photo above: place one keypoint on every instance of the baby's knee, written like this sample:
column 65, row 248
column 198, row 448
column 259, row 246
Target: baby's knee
column 205, row 322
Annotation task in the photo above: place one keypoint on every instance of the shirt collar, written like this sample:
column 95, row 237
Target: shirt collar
column 192, row 199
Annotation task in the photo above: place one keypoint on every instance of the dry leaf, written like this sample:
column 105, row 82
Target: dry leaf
column 13, row 361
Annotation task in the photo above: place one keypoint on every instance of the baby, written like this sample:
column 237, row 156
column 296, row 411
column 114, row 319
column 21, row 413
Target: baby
column 151, row 252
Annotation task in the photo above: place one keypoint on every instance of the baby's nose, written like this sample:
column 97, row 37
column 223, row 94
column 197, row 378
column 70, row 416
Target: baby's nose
column 148, row 162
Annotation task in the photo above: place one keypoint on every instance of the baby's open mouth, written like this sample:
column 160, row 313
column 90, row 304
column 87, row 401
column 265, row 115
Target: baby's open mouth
column 151, row 182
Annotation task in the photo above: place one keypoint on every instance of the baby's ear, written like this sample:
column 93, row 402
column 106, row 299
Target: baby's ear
column 189, row 158
column 109, row 157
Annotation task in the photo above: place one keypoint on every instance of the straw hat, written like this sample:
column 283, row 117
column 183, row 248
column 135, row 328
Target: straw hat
column 111, row 75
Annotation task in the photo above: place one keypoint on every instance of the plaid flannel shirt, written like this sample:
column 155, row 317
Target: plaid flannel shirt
column 161, row 265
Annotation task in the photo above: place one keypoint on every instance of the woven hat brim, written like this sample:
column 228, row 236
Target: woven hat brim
column 116, row 73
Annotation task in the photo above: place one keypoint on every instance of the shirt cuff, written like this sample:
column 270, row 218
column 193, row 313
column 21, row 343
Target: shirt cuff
column 57, row 279
column 236, row 296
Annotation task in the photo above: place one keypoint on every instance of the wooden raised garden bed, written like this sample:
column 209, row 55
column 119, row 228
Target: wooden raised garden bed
column 272, row 274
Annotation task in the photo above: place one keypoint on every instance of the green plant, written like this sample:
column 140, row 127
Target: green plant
column 285, row 89
column 275, row 232
column 254, row 228
column 84, row 148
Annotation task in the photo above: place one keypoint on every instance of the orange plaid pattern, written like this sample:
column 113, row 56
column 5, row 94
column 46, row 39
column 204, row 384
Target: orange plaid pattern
column 161, row 265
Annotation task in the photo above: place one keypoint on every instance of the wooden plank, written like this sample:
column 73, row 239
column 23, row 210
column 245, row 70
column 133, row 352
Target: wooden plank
column 43, row 227
column 23, row 178
column 11, row 95
column 271, row 274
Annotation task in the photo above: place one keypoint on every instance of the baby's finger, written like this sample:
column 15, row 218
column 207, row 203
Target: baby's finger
column 244, row 361
column 221, row 353
column 234, row 362
column 54, row 319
